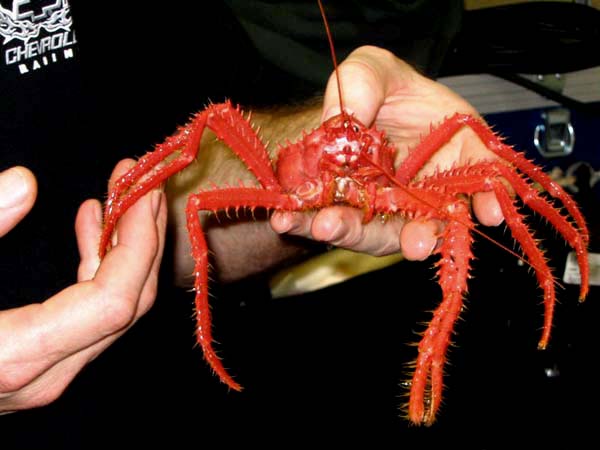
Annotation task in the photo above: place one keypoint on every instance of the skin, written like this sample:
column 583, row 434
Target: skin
column 44, row 345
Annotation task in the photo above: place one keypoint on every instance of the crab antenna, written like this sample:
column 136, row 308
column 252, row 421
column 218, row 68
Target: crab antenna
column 332, row 50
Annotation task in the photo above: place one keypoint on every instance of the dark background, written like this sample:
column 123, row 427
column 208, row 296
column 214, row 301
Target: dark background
column 325, row 367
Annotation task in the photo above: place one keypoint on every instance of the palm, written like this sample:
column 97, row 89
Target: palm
column 407, row 116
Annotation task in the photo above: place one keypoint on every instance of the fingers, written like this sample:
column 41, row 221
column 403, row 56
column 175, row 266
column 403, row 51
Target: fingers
column 131, row 234
column 342, row 226
column 135, row 251
column 108, row 298
column 88, row 226
column 39, row 363
column 41, row 335
column 487, row 209
column 45, row 345
column 148, row 294
column 419, row 238
column 296, row 223
column 18, row 190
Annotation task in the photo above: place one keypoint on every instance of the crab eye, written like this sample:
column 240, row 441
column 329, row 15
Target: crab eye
column 355, row 128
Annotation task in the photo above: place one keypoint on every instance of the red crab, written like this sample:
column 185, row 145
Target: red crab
column 345, row 162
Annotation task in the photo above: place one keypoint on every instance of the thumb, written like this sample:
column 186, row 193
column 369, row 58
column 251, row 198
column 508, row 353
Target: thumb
column 362, row 92
column 367, row 76
column 18, row 190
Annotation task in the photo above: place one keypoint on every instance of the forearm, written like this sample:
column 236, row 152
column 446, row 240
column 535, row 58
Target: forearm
column 243, row 243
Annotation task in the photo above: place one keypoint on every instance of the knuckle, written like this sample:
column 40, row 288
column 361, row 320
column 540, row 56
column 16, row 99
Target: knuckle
column 119, row 311
column 353, row 239
column 377, row 57
column 373, row 51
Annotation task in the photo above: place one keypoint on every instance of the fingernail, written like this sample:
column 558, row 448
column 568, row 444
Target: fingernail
column 13, row 188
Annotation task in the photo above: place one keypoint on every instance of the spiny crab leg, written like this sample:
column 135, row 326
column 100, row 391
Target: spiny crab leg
column 128, row 189
column 453, row 272
column 535, row 257
column 577, row 239
column 484, row 177
column 228, row 124
column 441, row 134
column 427, row 383
column 215, row 200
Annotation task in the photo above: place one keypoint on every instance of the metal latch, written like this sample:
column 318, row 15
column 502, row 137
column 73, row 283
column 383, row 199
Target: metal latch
column 556, row 136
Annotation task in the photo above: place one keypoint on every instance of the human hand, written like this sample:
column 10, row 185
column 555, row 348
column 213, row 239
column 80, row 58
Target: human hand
column 45, row 345
column 380, row 89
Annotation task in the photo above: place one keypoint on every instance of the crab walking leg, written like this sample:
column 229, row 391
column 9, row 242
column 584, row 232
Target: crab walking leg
column 127, row 191
column 441, row 134
column 534, row 255
column 184, row 138
column 236, row 131
column 539, row 204
column 227, row 122
column 427, row 383
column 430, row 144
column 485, row 177
column 220, row 199
column 531, row 170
